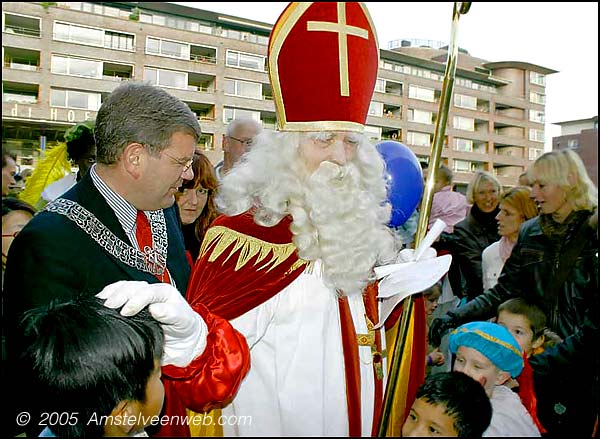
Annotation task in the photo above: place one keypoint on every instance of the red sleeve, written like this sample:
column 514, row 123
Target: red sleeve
column 212, row 379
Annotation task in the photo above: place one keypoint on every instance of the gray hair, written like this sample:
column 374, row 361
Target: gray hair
column 236, row 123
column 445, row 175
column 142, row 113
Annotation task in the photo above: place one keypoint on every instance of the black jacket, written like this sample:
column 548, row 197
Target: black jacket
column 466, row 244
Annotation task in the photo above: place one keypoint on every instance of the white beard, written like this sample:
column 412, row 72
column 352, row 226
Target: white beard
column 339, row 222
column 339, row 212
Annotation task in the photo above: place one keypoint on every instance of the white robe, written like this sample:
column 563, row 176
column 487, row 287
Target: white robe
column 296, row 385
column 509, row 416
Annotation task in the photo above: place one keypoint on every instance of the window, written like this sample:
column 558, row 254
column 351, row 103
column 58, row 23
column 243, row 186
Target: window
column 464, row 123
column 537, row 98
column 418, row 139
column 237, row 113
column 234, row 87
column 380, row 85
column 74, row 99
column 537, row 78
column 63, row 65
column 21, row 25
column 20, row 93
column 573, row 144
column 174, row 49
column 467, row 83
column 373, row 133
column 93, row 36
column 420, row 116
column 467, row 166
column 421, row 93
column 461, row 166
column 376, row 109
column 464, row 101
column 534, row 153
column 166, row 78
column 245, row 61
column 464, row 145
column 78, row 34
column 536, row 135
column 536, row 116
column 119, row 41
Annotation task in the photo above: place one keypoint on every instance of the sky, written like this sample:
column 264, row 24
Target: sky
column 560, row 36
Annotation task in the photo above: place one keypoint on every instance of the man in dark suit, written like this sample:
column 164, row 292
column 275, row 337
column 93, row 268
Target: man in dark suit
column 119, row 222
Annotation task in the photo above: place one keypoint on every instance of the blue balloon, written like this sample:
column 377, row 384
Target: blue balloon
column 404, row 180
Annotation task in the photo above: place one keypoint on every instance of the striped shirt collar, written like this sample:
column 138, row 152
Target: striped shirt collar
column 124, row 210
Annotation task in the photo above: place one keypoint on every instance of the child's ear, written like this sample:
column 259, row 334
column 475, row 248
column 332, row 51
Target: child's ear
column 502, row 377
column 123, row 411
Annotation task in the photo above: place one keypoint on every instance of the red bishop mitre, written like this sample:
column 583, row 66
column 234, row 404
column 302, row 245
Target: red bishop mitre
column 323, row 61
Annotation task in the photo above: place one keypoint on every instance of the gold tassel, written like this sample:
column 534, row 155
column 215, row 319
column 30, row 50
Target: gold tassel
column 54, row 166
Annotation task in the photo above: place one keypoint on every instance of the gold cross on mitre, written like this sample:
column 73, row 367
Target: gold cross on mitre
column 343, row 30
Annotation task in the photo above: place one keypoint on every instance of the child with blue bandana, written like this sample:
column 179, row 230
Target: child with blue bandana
column 488, row 353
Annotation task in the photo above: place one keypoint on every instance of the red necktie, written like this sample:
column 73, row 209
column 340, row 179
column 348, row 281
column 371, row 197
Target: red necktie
column 143, row 234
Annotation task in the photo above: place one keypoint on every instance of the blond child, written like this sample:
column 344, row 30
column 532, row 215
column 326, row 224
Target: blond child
column 488, row 353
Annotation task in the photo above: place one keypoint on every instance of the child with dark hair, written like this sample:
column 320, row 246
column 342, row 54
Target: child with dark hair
column 100, row 368
column 527, row 323
column 449, row 404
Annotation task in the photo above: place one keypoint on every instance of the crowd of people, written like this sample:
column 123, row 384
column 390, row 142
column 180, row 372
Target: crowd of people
column 151, row 285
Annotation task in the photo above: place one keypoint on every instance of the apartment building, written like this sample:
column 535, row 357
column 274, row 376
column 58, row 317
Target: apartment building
column 580, row 135
column 62, row 59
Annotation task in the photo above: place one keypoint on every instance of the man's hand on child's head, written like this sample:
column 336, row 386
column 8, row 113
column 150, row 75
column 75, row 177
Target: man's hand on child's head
column 185, row 331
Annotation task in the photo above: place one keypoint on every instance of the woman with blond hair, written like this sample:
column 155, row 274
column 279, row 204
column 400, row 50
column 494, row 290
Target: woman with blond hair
column 554, row 265
column 473, row 234
column 516, row 207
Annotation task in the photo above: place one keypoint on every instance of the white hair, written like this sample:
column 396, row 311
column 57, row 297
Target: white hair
column 339, row 212
column 233, row 126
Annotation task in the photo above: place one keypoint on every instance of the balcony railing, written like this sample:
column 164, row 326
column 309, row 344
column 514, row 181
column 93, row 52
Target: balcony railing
column 203, row 59
column 9, row 29
column 197, row 88
column 19, row 66
column 19, row 99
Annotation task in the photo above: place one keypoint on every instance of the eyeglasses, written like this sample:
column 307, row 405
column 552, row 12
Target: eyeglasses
column 186, row 165
column 245, row 142
column 10, row 235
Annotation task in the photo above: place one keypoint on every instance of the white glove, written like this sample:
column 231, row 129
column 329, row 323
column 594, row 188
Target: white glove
column 415, row 271
column 408, row 255
column 185, row 331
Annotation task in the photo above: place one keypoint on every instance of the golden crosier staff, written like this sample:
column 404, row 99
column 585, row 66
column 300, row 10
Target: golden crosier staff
column 460, row 8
